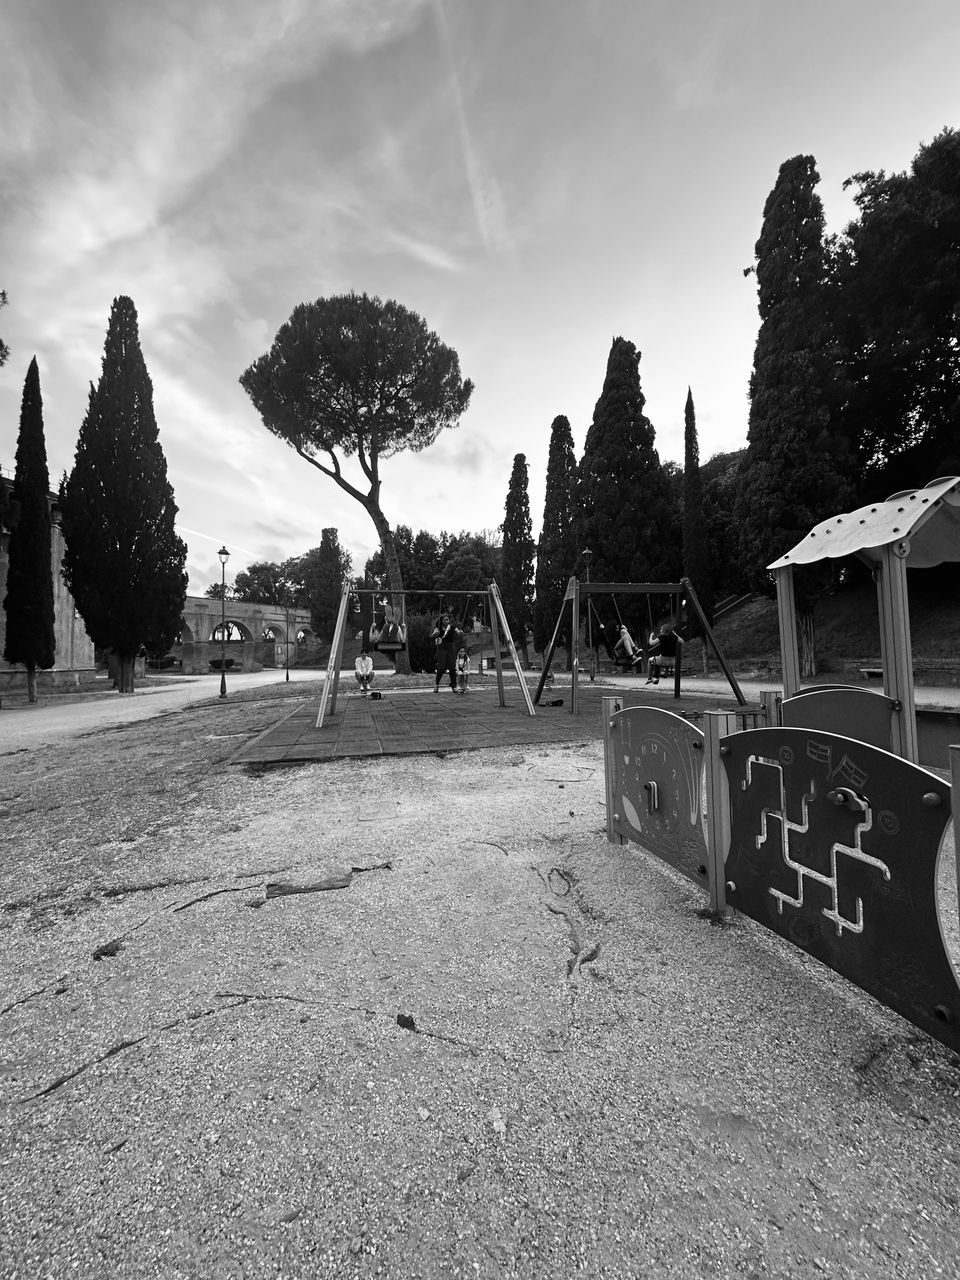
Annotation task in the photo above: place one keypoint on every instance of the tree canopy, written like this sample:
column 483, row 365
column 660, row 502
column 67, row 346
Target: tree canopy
column 351, row 376
column 124, row 562
column 897, row 271
column 696, row 555
column 30, row 637
column 623, row 502
column 516, row 555
column 557, row 545
column 797, row 467
column 320, row 574
column 4, row 349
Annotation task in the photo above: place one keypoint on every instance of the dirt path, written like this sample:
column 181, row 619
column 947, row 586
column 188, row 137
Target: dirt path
column 514, row 1050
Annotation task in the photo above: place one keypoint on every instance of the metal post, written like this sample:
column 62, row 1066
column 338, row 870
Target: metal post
column 770, row 702
column 717, row 725
column 286, row 641
column 787, row 614
column 224, row 555
column 575, row 666
column 587, row 555
column 896, row 649
column 610, row 708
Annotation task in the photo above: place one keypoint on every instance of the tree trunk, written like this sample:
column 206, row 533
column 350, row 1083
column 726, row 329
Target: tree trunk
column 808, row 642
column 395, row 577
column 125, row 663
column 31, row 684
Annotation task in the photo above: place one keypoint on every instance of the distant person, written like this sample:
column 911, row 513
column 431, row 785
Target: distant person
column 363, row 670
column 665, row 650
column 449, row 641
column 463, row 671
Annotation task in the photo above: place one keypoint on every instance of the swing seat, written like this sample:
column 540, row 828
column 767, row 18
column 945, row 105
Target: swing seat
column 390, row 646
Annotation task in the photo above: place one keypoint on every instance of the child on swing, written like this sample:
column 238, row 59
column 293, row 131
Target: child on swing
column 627, row 647
column 463, row 671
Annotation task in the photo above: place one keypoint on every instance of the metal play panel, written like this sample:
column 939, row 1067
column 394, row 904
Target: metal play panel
column 834, row 845
column 655, row 781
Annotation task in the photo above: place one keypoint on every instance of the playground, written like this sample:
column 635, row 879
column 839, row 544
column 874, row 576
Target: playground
column 417, row 1015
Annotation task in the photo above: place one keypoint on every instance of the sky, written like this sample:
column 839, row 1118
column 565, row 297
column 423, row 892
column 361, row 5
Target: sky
column 533, row 177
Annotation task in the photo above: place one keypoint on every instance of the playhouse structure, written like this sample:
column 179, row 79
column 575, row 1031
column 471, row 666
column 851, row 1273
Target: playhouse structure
column 822, row 825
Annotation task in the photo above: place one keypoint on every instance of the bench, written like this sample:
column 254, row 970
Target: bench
column 872, row 673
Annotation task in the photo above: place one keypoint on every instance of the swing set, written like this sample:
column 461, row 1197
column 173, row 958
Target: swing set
column 396, row 640
column 683, row 595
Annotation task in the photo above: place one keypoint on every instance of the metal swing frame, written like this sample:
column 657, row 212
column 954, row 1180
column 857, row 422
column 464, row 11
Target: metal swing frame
column 498, row 619
column 682, row 590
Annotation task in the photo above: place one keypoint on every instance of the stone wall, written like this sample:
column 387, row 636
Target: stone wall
column 75, row 663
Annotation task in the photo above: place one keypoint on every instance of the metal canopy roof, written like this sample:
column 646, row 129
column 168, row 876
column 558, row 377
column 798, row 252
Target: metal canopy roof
column 926, row 521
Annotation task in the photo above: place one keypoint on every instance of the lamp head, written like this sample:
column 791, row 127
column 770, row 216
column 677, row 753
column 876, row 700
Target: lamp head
column 224, row 555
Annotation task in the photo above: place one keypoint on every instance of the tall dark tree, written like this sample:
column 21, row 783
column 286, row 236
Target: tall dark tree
column 720, row 476
column 696, row 553
column 623, row 501
column 323, row 571
column 30, row 638
column 4, row 349
column 355, row 376
column 124, row 562
column 798, row 466
column 557, row 546
column 516, row 557
column 898, row 271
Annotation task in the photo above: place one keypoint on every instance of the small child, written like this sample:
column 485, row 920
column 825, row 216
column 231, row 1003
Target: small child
column 463, row 671
column 363, row 669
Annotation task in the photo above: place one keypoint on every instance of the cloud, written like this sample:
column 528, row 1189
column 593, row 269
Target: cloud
column 489, row 207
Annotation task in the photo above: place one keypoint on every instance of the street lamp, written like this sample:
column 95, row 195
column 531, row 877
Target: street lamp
column 224, row 555
column 286, row 635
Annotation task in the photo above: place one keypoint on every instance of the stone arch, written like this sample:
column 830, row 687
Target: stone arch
column 236, row 631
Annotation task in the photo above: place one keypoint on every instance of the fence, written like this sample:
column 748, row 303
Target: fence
column 833, row 843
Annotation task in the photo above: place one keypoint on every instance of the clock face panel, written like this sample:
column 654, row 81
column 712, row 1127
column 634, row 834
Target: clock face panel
column 657, row 787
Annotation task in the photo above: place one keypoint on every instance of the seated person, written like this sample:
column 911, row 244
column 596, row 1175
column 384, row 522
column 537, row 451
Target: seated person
column 625, row 645
column 363, row 669
column 665, row 645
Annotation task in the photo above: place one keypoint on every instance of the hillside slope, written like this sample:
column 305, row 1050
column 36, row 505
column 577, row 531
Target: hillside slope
column 847, row 632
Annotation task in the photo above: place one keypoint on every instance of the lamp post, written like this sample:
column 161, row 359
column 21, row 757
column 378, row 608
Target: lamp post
column 224, row 555
column 286, row 636
column 587, row 556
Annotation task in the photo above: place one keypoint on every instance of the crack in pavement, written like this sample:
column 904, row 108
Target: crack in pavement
column 56, row 984
column 123, row 1045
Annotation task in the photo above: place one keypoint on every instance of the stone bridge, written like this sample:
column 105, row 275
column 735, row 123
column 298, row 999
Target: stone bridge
column 258, row 635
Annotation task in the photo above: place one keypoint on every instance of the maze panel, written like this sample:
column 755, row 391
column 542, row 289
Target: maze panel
column 834, row 846
column 657, row 787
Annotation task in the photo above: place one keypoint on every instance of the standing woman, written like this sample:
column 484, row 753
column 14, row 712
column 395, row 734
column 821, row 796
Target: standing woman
column 449, row 639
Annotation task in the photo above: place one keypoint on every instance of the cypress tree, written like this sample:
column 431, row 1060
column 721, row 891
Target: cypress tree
column 797, row 468
column 516, row 557
column 623, row 503
column 124, row 562
column 30, row 638
column 696, row 555
column 557, row 547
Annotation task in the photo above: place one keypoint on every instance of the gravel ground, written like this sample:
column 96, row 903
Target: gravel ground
column 516, row 1050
